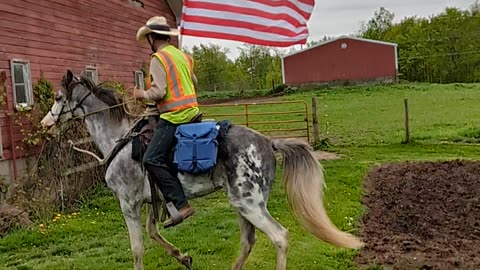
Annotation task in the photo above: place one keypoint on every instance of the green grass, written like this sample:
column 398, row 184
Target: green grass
column 375, row 115
column 365, row 127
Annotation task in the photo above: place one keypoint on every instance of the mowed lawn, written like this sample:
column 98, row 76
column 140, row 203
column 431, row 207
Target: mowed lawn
column 363, row 124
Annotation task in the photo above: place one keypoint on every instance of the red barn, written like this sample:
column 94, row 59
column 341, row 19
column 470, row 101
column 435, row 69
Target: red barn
column 93, row 37
column 342, row 60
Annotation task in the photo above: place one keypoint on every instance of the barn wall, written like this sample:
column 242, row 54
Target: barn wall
column 360, row 61
column 56, row 35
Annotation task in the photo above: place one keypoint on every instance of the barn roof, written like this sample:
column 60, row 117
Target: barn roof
column 339, row 38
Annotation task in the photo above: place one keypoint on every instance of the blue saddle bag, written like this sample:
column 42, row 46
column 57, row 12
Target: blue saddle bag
column 197, row 147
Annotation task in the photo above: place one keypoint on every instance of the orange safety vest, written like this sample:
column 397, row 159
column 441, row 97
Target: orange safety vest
column 180, row 92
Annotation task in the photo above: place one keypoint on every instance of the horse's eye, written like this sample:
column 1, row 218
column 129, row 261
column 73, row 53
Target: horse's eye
column 58, row 97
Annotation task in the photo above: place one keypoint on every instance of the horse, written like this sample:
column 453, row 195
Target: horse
column 245, row 171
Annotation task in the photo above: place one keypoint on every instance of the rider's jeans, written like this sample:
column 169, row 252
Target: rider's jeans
column 155, row 161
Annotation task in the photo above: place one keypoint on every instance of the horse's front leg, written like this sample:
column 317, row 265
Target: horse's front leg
column 152, row 230
column 132, row 214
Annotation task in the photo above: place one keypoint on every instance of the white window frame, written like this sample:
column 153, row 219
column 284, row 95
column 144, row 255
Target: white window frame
column 94, row 72
column 139, row 79
column 27, row 81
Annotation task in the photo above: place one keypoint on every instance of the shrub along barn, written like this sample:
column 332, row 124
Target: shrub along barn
column 45, row 38
column 342, row 61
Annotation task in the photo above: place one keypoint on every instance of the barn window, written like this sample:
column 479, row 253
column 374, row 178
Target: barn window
column 91, row 73
column 344, row 45
column 139, row 79
column 21, row 80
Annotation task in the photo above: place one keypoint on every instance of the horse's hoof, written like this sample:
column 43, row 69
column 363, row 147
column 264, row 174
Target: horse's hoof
column 187, row 261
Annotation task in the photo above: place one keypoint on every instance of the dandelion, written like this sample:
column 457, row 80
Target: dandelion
column 41, row 225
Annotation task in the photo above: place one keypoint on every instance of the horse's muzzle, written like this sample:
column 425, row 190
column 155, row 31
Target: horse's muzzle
column 48, row 121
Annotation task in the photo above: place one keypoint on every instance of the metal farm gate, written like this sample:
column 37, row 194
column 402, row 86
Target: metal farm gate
column 283, row 119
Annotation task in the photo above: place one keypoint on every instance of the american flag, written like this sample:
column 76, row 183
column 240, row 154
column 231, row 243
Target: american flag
column 278, row 23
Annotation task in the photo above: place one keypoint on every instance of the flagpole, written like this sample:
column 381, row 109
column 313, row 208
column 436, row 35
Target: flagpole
column 179, row 39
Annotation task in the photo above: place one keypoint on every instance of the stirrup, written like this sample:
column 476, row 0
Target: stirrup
column 175, row 216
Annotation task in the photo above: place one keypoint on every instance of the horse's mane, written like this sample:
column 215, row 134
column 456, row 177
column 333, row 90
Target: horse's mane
column 106, row 95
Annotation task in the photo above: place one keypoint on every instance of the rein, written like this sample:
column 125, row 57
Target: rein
column 98, row 111
column 120, row 143
column 105, row 109
column 79, row 106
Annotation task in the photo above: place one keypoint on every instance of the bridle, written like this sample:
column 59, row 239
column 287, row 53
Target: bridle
column 70, row 109
column 79, row 106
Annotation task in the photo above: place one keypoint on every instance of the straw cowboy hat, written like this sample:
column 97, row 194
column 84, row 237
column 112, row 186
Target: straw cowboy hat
column 157, row 24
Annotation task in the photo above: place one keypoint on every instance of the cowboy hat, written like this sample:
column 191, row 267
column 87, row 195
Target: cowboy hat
column 157, row 24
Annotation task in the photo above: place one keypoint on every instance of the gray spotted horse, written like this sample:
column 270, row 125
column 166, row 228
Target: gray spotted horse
column 245, row 169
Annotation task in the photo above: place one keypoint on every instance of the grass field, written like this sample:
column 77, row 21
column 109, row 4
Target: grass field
column 363, row 124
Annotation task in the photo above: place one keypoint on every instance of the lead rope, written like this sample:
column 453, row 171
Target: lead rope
column 129, row 132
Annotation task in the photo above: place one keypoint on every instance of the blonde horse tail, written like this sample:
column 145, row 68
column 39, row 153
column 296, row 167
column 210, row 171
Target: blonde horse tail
column 303, row 178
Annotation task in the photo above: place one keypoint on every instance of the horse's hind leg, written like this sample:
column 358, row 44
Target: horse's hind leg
column 171, row 249
column 132, row 215
column 258, row 215
column 252, row 206
column 247, row 235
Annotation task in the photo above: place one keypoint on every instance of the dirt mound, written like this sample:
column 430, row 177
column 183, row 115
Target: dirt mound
column 11, row 218
column 422, row 216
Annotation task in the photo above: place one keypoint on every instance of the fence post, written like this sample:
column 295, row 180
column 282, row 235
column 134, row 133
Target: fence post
column 316, row 132
column 407, row 128
column 246, row 114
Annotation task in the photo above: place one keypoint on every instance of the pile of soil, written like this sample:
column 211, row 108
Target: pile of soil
column 11, row 218
column 422, row 216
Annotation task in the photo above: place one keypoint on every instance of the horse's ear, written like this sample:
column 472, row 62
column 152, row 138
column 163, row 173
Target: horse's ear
column 69, row 77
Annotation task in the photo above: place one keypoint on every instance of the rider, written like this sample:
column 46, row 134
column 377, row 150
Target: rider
column 172, row 88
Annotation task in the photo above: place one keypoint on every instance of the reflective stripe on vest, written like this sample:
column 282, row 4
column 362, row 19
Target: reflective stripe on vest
column 187, row 102
column 172, row 77
column 180, row 89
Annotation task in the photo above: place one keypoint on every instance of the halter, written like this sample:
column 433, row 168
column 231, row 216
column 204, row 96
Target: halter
column 79, row 106
column 70, row 109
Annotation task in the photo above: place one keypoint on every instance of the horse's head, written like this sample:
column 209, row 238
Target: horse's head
column 68, row 101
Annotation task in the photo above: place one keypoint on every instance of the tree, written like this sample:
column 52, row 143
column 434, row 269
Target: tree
column 261, row 65
column 214, row 70
column 443, row 48
column 475, row 8
column 375, row 28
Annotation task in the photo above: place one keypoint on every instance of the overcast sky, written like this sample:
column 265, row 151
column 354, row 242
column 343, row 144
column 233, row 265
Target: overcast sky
column 340, row 17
